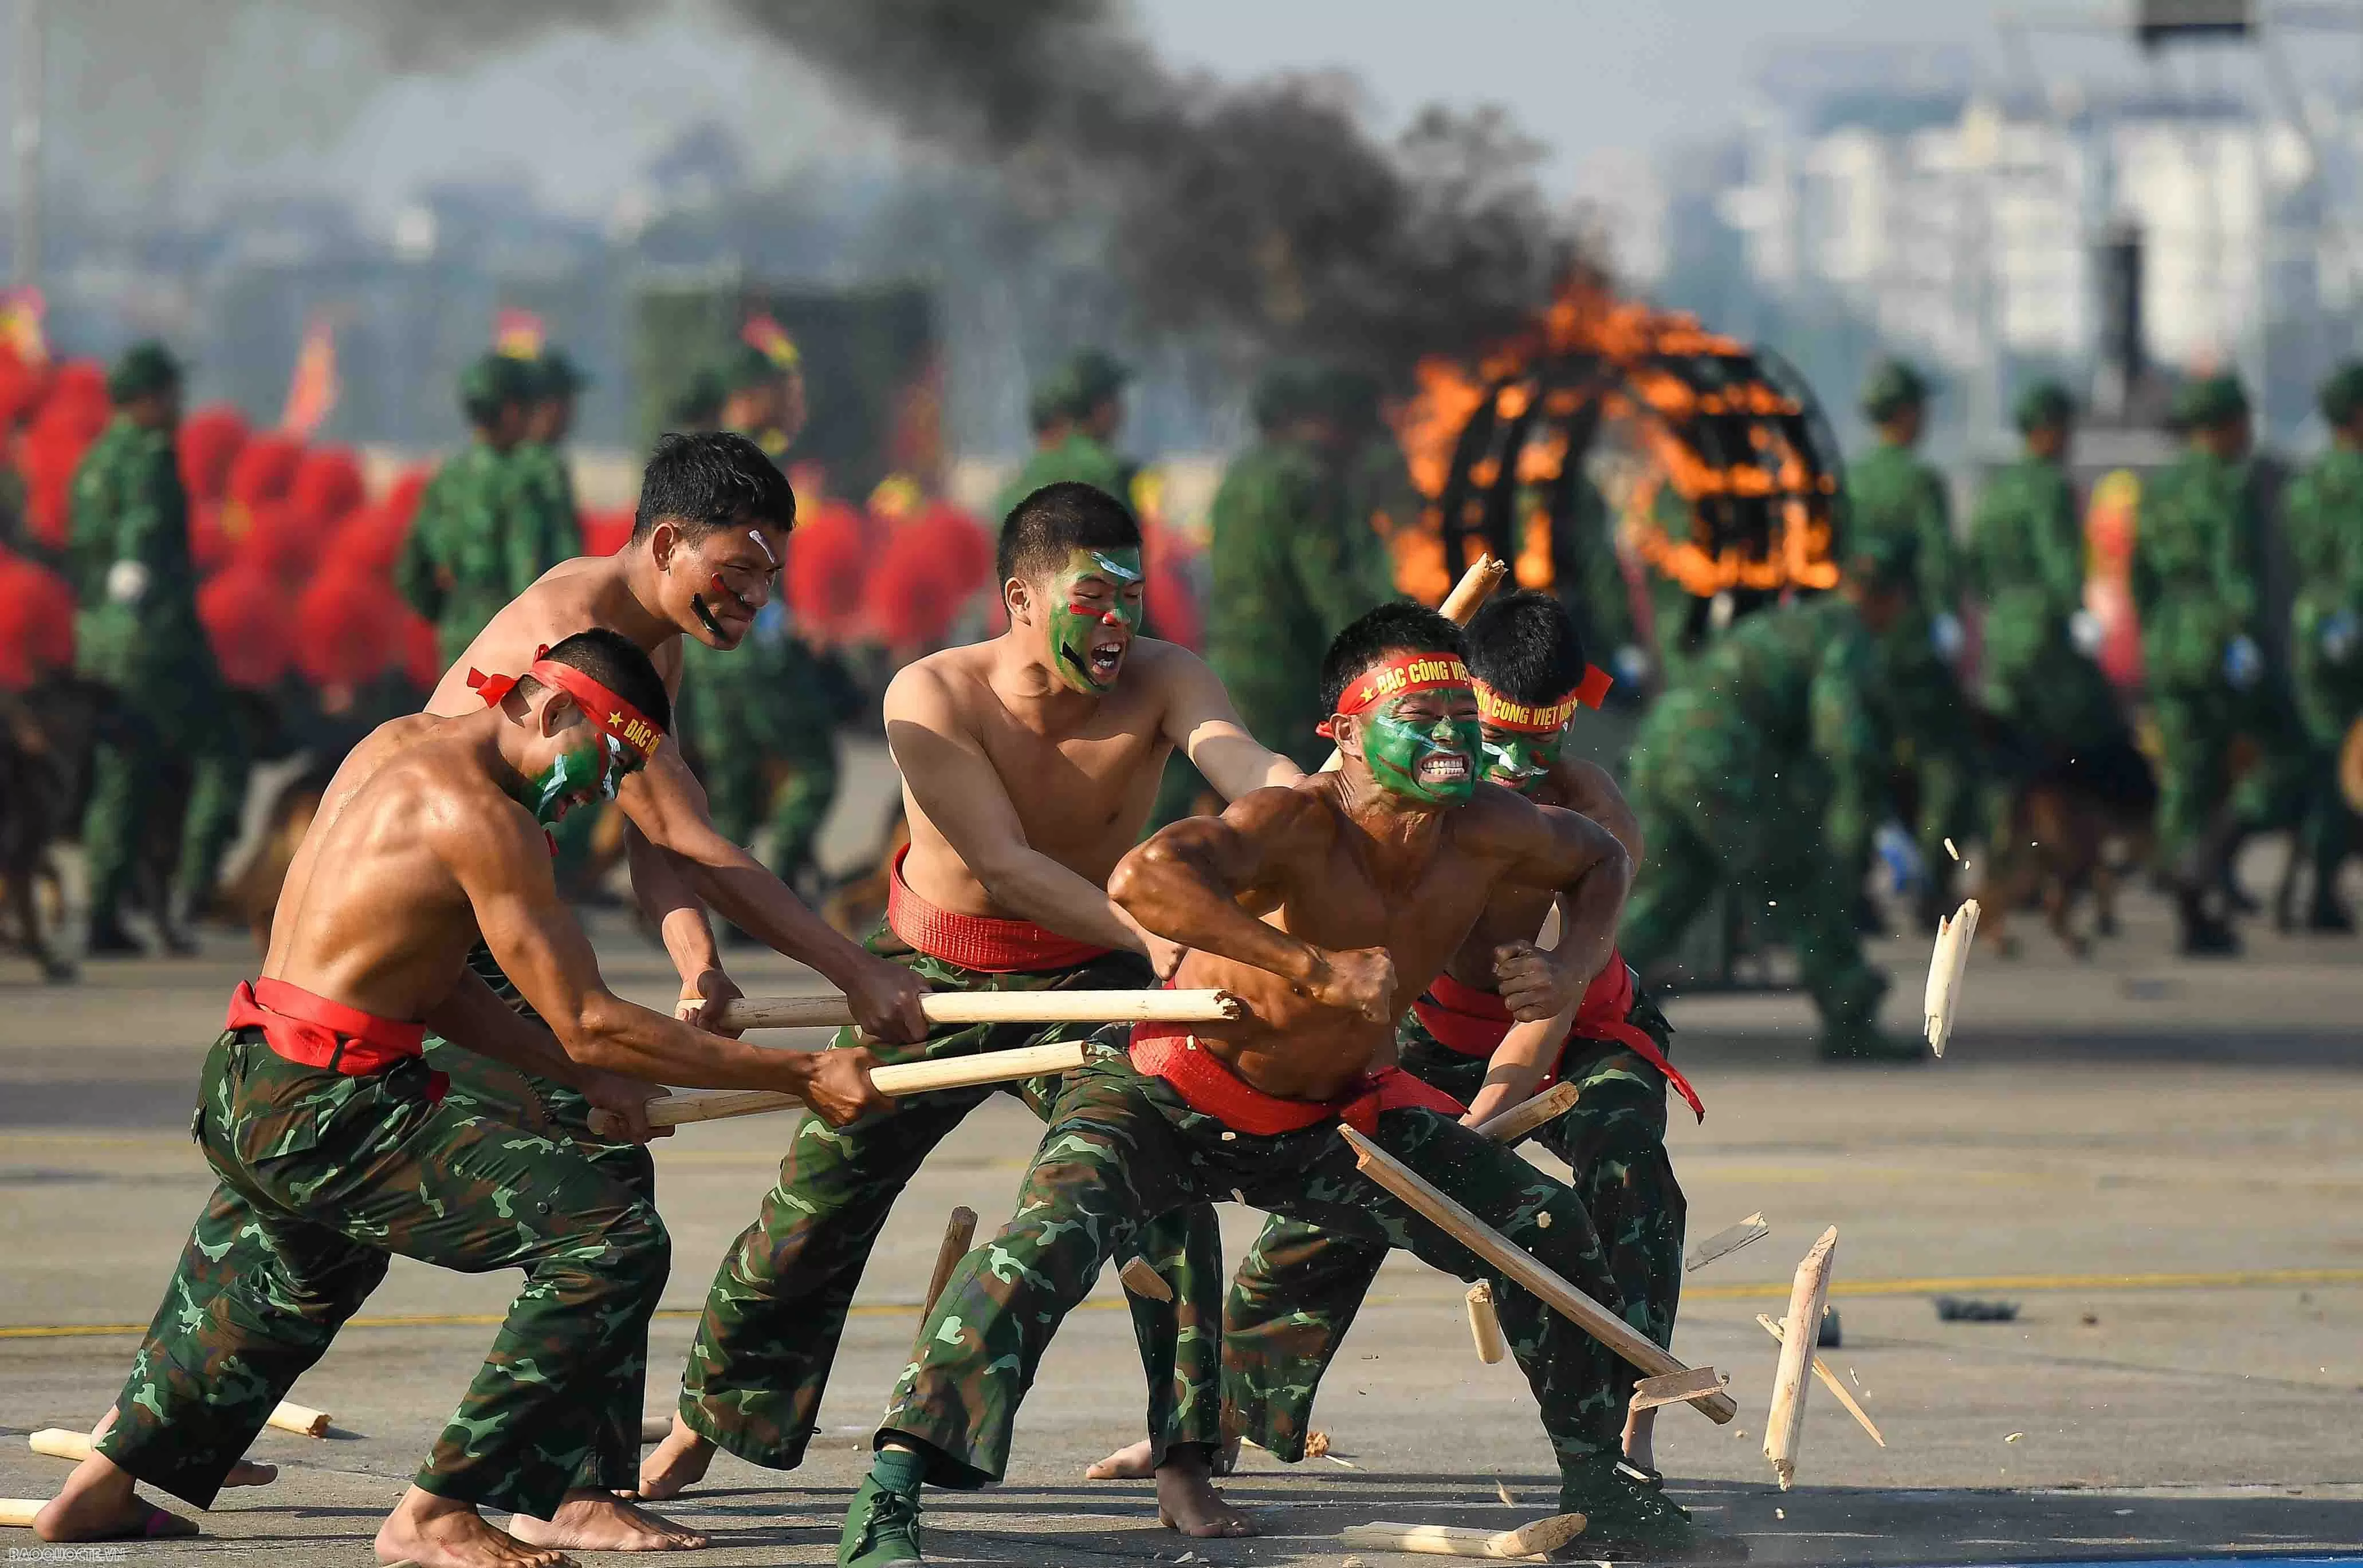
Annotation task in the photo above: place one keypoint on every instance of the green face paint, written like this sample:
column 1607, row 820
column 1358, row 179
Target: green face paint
column 1089, row 613
column 1521, row 759
column 600, row 765
column 1412, row 756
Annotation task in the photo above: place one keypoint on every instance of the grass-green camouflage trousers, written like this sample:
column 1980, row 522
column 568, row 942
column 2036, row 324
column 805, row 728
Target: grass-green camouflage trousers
column 323, row 1178
column 1298, row 1288
column 761, row 1360
column 551, row 1110
column 1124, row 1148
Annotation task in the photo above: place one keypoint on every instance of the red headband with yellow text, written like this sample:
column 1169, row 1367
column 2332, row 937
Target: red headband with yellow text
column 1403, row 674
column 601, row 706
column 1509, row 713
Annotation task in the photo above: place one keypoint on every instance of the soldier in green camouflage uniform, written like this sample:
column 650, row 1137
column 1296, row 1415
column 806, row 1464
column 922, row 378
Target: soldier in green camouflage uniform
column 1289, row 572
column 2195, row 589
column 138, row 633
column 1891, row 492
column 1076, row 413
column 553, row 528
column 745, row 710
column 2324, row 517
column 475, row 545
column 1765, row 769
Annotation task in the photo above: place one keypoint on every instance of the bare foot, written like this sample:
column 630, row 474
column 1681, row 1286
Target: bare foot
column 98, row 1504
column 429, row 1532
column 249, row 1473
column 1640, row 1427
column 678, row 1464
column 593, row 1520
column 1187, row 1500
column 1125, row 1465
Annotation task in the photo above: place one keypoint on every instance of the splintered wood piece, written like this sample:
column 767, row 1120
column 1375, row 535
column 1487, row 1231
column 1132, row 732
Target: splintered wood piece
column 655, row 1429
column 1545, row 1284
column 904, row 1078
column 1485, row 1325
column 1728, row 1240
column 999, row 1007
column 1678, row 1389
column 19, row 1511
column 1829, row 1380
column 300, row 1420
column 1140, row 1277
column 1509, row 1126
column 1800, row 1332
column 959, row 1234
column 60, row 1443
column 1946, row 965
column 1527, row 1542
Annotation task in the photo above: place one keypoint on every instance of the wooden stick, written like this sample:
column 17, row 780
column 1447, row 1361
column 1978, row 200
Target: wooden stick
column 1800, row 1332
column 300, row 1420
column 19, row 1511
column 60, row 1443
column 1459, row 607
column 1946, row 965
column 906, row 1077
column 1000, row 1007
column 1728, row 1240
column 1829, row 1380
column 1485, row 1324
column 1531, row 1542
column 1140, row 1277
column 1509, row 1126
column 1680, row 1388
column 1545, row 1282
column 960, row 1233
column 655, row 1429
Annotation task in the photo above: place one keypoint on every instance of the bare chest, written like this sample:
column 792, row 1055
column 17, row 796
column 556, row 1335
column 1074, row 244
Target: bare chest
column 1081, row 799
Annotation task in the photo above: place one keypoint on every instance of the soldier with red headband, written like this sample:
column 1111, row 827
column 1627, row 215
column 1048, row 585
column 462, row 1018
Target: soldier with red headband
column 337, row 1148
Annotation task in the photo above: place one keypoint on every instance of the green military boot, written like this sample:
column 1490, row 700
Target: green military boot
column 1626, row 1520
column 881, row 1529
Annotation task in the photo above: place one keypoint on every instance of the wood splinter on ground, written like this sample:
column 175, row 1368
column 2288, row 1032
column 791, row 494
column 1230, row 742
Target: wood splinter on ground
column 1676, row 1388
column 960, row 1233
column 1946, row 965
column 19, row 1511
column 60, row 1443
column 1485, row 1324
column 655, row 1429
column 1530, row 1543
column 1828, row 1380
column 300, row 1420
column 1140, row 1277
column 1726, row 1241
column 1801, row 1334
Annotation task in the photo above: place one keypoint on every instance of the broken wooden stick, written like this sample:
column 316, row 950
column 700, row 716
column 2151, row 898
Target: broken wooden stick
column 1800, row 1332
column 300, row 1420
column 58, row 1442
column 906, row 1077
column 1485, row 1324
column 959, row 1234
column 1530, row 1543
column 1946, row 965
column 999, row 1007
column 655, row 1429
column 1679, row 1388
column 1829, row 1380
column 1728, row 1240
column 1460, row 606
column 1140, row 1277
column 19, row 1511
column 1509, row 1126
column 1546, row 1285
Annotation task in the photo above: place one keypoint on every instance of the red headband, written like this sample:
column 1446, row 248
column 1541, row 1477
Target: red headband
column 1403, row 674
column 1508, row 714
column 601, row 706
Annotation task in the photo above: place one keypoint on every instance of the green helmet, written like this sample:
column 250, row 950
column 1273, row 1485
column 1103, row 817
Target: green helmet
column 747, row 366
column 1286, row 391
column 1881, row 560
column 146, row 367
column 2205, row 401
column 1052, row 399
column 555, row 374
column 1894, row 386
column 2045, row 404
column 1093, row 376
column 2342, row 395
column 699, row 407
column 492, row 383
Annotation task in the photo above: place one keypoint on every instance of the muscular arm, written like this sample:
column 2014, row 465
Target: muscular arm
column 1586, row 786
column 1200, row 721
column 1584, row 864
column 954, row 783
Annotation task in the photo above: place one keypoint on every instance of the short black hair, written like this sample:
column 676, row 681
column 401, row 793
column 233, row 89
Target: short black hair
column 1392, row 628
column 1525, row 647
column 709, row 482
column 617, row 663
column 1069, row 516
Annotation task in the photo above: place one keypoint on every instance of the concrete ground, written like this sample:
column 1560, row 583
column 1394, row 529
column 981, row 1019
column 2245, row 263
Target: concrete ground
column 2161, row 1164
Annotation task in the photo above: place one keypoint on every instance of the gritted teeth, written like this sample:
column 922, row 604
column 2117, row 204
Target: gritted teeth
column 1443, row 768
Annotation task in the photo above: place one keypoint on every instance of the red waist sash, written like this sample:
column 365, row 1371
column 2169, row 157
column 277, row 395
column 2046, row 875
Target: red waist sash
column 1472, row 1022
column 978, row 942
column 1200, row 1076
column 313, row 1031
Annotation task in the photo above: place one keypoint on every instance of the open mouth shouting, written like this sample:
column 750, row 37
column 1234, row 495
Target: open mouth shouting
column 1106, row 656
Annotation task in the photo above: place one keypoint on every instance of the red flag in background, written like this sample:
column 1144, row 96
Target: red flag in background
column 312, row 389
column 517, row 333
column 770, row 339
column 21, row 334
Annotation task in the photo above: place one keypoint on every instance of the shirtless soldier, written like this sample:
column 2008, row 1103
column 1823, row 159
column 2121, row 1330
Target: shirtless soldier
column 1029, row 765
column 704, row 556
column 336, row 1149
column 1297, row 1290
column 1368, row 880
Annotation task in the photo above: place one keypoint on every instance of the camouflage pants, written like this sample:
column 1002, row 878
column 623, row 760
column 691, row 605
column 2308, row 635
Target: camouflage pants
column 744, row 800
column 323, row 1178
column 125, row 768
column 761, row 1360
column 1296, row 1292
column 1122, row 1149
column 546, row 1109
